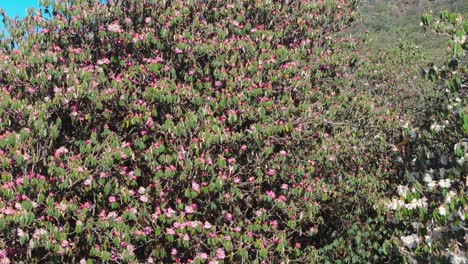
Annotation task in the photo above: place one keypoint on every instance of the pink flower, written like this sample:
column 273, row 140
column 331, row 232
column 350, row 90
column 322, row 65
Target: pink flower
column 88, row 181
column 144, row 198
column 195, row 187
column 189, row 209
column 20, row 232
column 228, row 217
column 147, row 230
column 115, row 27
column 170, row 231
column 141, row 190
column 220, row 253
column 65, row 243
column 149, row 122
column 194, row 224
column 127, row 21
column 282, row 198
column 271, row 172
column 274, row 223
column 174, row 252
column 112, row 199
column 170, row 213
column 60, row 151
column 203, row 255
column 271, row 194
column 207, row 225
column 103, row 61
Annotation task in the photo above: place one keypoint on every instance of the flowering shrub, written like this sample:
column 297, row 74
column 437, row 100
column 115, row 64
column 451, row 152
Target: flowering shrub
column 431, row 209
column 189, row 131
column 224, row 132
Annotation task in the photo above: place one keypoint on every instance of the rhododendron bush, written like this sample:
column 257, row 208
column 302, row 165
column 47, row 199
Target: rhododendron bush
column 191, row 131
column 431, row 206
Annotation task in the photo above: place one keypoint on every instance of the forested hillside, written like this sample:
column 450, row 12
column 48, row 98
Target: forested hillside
column 145, row 131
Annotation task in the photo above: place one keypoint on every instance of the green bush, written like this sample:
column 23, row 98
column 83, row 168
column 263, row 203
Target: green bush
column 431, row 206
column 178, row 131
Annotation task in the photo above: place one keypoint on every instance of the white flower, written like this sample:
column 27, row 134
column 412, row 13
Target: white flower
column 437, row 128
column 449, row 196
column 428, row 240
column 460, row 161
column 442, row 211
column 444, row 183
column 431, row 185
column 422, row 202
column 395, row 204
column 410, row 241
column 439, row 231
column 458, row 259
column 415, row 225
column 415, row 203
column 402, row 190
column 427, row 178
column 460, row 214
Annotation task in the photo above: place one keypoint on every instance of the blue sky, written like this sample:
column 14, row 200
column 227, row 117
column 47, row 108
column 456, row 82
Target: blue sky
column 16, row 8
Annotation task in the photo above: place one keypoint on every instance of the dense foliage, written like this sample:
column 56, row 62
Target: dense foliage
column 200, row 131
column 431, row 206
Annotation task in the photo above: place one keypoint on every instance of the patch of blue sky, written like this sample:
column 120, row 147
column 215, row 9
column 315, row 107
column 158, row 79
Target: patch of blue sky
column 16, row 8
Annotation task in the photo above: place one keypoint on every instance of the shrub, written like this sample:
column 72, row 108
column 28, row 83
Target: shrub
column 431, row 206
column 178, row 131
